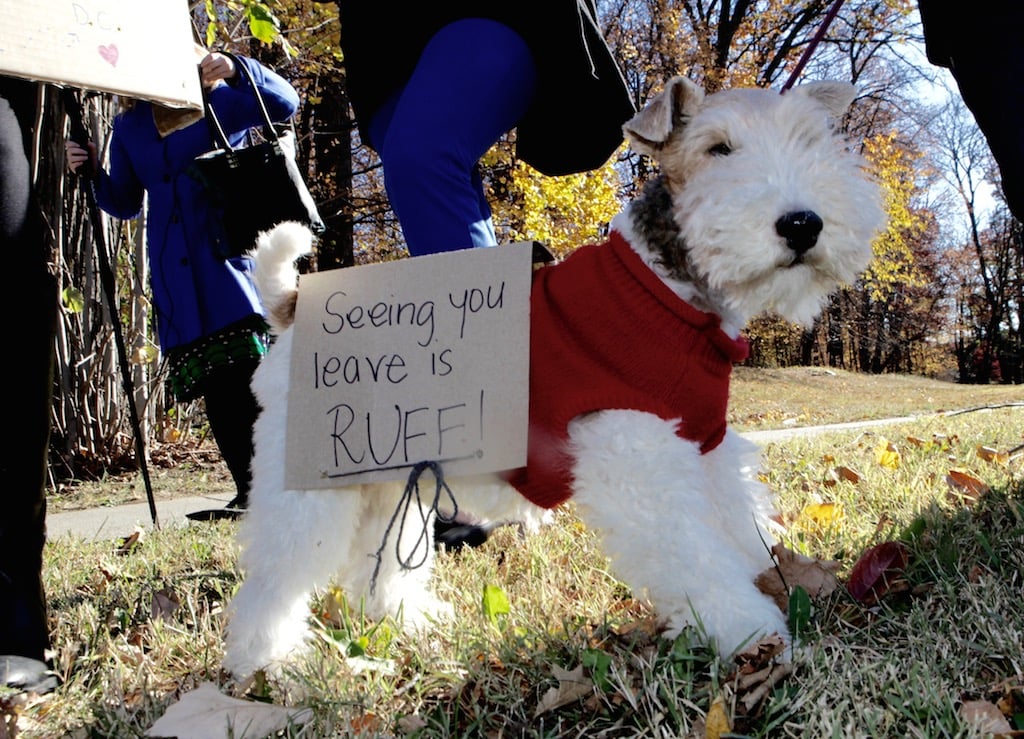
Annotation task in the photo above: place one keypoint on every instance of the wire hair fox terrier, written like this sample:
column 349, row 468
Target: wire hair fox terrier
column 759, row 207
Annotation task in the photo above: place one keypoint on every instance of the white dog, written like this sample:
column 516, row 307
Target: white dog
column 759, row 207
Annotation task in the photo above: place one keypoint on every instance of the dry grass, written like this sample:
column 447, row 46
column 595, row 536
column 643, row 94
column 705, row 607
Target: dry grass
column 811, row 396
column 761, row 399
column 137, row 627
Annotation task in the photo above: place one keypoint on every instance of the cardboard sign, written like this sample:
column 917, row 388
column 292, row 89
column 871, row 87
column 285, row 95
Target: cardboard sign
column 139, row 48
column 421, row 359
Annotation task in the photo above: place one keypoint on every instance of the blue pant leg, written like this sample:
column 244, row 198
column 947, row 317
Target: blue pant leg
column 474, row 81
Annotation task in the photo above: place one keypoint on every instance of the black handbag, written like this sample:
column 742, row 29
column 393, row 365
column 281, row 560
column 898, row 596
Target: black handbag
column 255, row 187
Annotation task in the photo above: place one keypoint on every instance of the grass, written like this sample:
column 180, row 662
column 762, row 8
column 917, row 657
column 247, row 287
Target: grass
column 138, row 626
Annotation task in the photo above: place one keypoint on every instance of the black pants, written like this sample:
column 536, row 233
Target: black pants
column 28, row 374
column 991, row 82
column 231, row 409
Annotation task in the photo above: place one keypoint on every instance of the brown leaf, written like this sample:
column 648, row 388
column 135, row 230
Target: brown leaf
column 985, row 716
column 165, row 603
column 128, row 543
column 816, row 576
column 966, row 488
column 876, row 572
column 759, row 655
column 572, row 685
column 993, row 455
column 848, row 474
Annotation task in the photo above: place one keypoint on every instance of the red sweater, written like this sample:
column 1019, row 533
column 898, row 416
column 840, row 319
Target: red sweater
column 607, row 333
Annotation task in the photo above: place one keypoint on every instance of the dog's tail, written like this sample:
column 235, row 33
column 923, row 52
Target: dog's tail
column 276, row 277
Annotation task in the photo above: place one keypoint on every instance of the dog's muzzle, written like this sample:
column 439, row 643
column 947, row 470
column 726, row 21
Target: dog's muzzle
column 800, row 229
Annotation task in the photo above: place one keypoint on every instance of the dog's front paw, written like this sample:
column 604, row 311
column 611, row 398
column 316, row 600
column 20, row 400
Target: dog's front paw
column 414, row 611
column 734, row 625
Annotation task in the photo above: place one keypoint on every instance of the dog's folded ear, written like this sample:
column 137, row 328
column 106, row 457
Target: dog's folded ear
column 835, row 96
column 651, row 128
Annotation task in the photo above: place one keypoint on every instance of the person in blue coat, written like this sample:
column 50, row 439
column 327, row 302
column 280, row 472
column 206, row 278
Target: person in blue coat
column 209, row 316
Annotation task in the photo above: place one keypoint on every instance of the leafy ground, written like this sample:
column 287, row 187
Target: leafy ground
column 761, row 399
column 907, row 542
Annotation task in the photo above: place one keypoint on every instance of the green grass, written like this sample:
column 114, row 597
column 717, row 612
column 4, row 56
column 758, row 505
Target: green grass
column 136, row 628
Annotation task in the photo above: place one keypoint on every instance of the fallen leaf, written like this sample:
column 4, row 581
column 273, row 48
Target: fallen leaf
column 759, row 655
column 366, row 723
column 206, row 713
column 127, row 544
column 757, row 672
column 165, row 603
column 823, row 515
column 985, row 717
column 874, row 574
column 993, row 455
column 411, row 723
column 571, row 687
column 916, row 441
column 717, row 722
column 966, row 488
column 848, row 474
column 887, row 455
column 792, row 569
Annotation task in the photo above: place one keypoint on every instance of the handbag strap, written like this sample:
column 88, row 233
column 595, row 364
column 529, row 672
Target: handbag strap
column 220, row 138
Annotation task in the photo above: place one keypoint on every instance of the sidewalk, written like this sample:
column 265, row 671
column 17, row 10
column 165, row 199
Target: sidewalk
column 115, row 522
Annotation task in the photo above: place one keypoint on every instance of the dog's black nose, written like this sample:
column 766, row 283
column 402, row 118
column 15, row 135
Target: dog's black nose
column 800, row 229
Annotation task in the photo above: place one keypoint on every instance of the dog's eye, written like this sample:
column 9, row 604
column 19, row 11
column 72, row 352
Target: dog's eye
column 720, row 150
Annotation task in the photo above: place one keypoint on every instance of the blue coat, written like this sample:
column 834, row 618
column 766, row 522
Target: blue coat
column 195, row 293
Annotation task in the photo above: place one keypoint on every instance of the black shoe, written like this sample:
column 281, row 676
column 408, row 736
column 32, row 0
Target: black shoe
column 232, row 511
column 26, row 674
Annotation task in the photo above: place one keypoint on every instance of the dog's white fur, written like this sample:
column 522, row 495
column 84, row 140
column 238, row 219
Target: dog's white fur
column 689, row 531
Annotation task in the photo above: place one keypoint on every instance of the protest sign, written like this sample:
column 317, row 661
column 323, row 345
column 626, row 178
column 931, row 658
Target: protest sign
column 138, row 48
column 420, row 359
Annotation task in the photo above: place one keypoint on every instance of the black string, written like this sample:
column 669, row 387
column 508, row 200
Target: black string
column 409, row 495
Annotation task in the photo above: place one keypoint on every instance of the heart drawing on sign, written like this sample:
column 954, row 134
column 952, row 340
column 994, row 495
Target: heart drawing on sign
column 109, row 54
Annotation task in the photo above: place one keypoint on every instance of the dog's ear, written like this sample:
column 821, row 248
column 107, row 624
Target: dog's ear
column 835, row 96
column 649, row 129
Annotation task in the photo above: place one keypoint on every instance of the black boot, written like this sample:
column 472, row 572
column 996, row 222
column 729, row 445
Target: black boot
column 461, row 530
column 231, row 409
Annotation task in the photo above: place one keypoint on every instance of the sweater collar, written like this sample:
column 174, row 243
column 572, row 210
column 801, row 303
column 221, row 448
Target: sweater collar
column 735, row 350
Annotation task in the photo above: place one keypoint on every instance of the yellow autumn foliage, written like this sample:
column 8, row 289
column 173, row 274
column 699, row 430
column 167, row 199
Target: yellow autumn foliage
column 894, row 263
column 561, row 212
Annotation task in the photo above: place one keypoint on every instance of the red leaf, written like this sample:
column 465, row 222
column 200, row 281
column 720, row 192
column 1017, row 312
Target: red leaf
column 875, row 570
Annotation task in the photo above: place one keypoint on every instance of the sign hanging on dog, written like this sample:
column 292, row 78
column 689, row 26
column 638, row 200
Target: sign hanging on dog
column 139, row 48
column 418, row 360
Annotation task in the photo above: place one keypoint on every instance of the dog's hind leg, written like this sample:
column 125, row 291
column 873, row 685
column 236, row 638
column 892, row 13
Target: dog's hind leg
column 291, row 543
column 645, row 491
column 391, row 567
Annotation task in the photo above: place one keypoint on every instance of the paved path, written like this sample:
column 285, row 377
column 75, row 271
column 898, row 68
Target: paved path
column 115, row 522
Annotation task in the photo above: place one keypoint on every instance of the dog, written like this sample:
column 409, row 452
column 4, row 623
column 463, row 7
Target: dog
column 759, row 206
